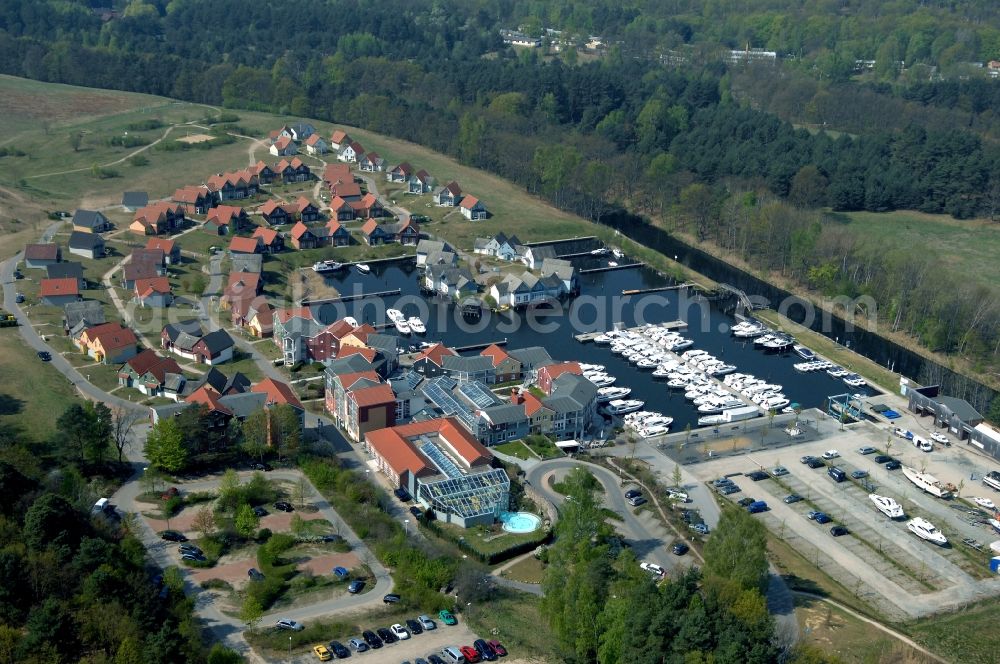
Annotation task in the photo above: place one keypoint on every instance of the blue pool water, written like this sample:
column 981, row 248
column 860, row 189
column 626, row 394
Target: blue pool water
column 520, row 522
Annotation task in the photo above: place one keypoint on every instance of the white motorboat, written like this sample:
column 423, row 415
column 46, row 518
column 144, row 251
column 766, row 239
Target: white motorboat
column 601, row 380
column 618, row 253
column 402, row 326
column 775, row 403
column 994, row 524
column 804, row 352
column 604, row 339
column 925, row 530
column 837, row 372
column 710, row 420
column 723, row 369
column 394, row 315
column 928, row 483
column 327, row 266
column 655, row 430
column 855, row 381
column 351, row 320
column 887, row 506
column 603, row 251
column 646, row 363
column 677, row 383
column 363, row 268
column 681, row 345
column 591, row 367
column 760, row 341
column 622, row 406
column 985, row 502
column 612, row 264
column 608, row 393
column 416, row 325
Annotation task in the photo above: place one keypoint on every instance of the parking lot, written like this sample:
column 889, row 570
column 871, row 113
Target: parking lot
column 418, row 645
column 879, row 559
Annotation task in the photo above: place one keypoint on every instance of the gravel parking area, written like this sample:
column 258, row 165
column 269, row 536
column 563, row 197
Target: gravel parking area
column 419, row 645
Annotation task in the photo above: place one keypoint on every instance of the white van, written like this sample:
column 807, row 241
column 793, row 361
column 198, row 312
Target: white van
column 922, row 444
column 452, row 655
column 100, row 506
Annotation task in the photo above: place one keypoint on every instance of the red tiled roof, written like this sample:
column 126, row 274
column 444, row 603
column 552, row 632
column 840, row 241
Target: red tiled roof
column 111, row 335
column 375, row 395
column 147, row 361
column 242, row 282
column 41, row 252
column 469, row 202
column 337, row 173
column 54, row 287
column 338, row 203
column 532, row 404
column 394, row 445
column 302, row 203
column 277, row 392
column 207, row 395
column 265, row 235
column 160, row 244
column 556, row 370
column 244, row 245
column 223, row 214
column 190, row 194
column 345, row 189
column 404, row 168
column 369, row 226
column 435, row 354
column 453, row 188
column 338, row 136
column 348, row 380
column 369, row 200
column 298, row 230
column 333, row 226
column 495, row 353
column 148, row 286
column 367, row 353
column 282, row 142
column 313, row 140
column 287, row 314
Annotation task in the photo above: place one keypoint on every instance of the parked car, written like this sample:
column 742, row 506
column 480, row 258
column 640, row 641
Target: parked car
column 284, row 506
column 19, row 298
column 745, row 502
column 637, row 501
column 838, row 531
column 416, row 511
column 322, row 653
column 266, row 467
column 357, row 585
column 189, row 548
column 721, row 481
column 792, row 498
column 866, row 450
column 193, row 557
column 340, row 572
column 632, row 493
column 806, row 458
column 426, row 622
column 893, row 465
column 173, row 536
column 285, row 623
column 778, row 471
column 830, row 454
column 497, row 647
column 941, row 438
column 859, row 474
column 358, row 645
column 673, row 493
column 447, row 617
column 729, row 489
column 757, row 506
column 260, row 511
column 339, row 650
column 680, row 549
column 402, row 494
column 45, row 356
column 815, row 463
column 757, row 475
column 391, row 598
column 485, row 651
column 470, row 654
column 434, row 659
column 653, row 569
column 400, row 632
column 700, row 528
column 371, row 638
column 386, row 635
column 882, row 458
column 823, row 518
column 414, row 626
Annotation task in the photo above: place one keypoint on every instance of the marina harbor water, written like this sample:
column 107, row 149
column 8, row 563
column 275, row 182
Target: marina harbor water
column 599, row 307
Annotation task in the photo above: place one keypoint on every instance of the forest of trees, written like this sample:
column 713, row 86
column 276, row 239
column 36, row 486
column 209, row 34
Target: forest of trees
column 75, row 587
column 710, row 150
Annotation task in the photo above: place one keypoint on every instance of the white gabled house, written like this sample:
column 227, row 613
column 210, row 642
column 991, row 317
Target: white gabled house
column 500, row 246
column 315, row 145
column 351, row 152
column 448, row 195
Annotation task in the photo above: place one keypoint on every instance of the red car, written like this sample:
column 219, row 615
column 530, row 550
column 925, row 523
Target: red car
column 497, row 647
column 469, row 653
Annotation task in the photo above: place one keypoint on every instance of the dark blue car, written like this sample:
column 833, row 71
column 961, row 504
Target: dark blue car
column 340, row 572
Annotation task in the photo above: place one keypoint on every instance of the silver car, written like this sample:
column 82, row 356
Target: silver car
column 426, row 622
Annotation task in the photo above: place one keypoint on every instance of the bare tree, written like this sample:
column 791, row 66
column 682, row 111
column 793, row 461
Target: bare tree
column 122, row 422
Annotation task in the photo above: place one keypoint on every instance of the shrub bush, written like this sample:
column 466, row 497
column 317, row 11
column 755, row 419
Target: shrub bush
column 216, row 584
column 263, row 535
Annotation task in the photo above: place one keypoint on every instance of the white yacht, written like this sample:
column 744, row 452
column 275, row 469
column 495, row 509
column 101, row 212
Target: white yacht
column 351, row 320
column 601, row 380
column 608, row 393
column 402, row 326
column 363, row 268
column 854, row 380
column 654, row 430
column 887, row 506
column 327, row 266
column 618, row 253
column 803, row 352
column 394, row 315
column 622, row 406
column 591, row 367
column 709, row 420
column 416, row 325
column 603, row 251
column 928, row 483
column 924, row 529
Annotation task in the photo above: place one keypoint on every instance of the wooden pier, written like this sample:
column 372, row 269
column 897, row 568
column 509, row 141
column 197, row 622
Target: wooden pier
column 562, row 241
column 351, row 298
column 463, row 349
column 641, row 291
column 608, row 268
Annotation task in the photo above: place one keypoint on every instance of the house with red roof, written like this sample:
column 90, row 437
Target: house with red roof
column 506, row 368
column 294, row 170
column 420, row 183
column 234, row 185
column 271, row 241
column 350, row 191
column 109, row 343
column 430, row 361
column 283, row 146
column 279, row 393
column 334, row 173
column 371, row 162
column 245, row 245
column 239, row 284
column 59, row 292
column 154, row 292
column 243, row 306
column 337, row 234
column 303, row 237
column 368, row 409
column 341, row 210
column 549, row 373
column 276, row 213
column 339, row 139
column 429, row 458
column 400, row 173
column 308, row 211
column 376, row 234
column 265, row 174
column 368, row 207
column 351, row 152
column 539, row 415
column 171, row 250
column 225, row 219
column 260, row 320
column 315, row 145
column 473, row 209
column 153, row 375
column 162, row 217
column 198, row 199
column 448, row 195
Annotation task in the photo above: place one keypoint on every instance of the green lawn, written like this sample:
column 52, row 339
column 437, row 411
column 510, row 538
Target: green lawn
column 515, row 619
column 515, row 448
column 970, row 247
column 543, row 447
column 964, row 635
column 33, row 394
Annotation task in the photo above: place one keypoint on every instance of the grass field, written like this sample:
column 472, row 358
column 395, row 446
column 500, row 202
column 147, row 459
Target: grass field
column 33, row 394
column 964, row 636
column 968, row 246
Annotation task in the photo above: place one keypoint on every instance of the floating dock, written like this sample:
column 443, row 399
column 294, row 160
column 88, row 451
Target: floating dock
column 641, row 291
column 608, row 268
column 462, row 349
column 352, row 298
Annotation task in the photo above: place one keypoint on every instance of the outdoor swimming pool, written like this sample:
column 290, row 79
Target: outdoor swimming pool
column 520, row 522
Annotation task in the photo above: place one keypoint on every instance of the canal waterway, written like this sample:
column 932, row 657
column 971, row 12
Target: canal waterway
column 599, row 307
